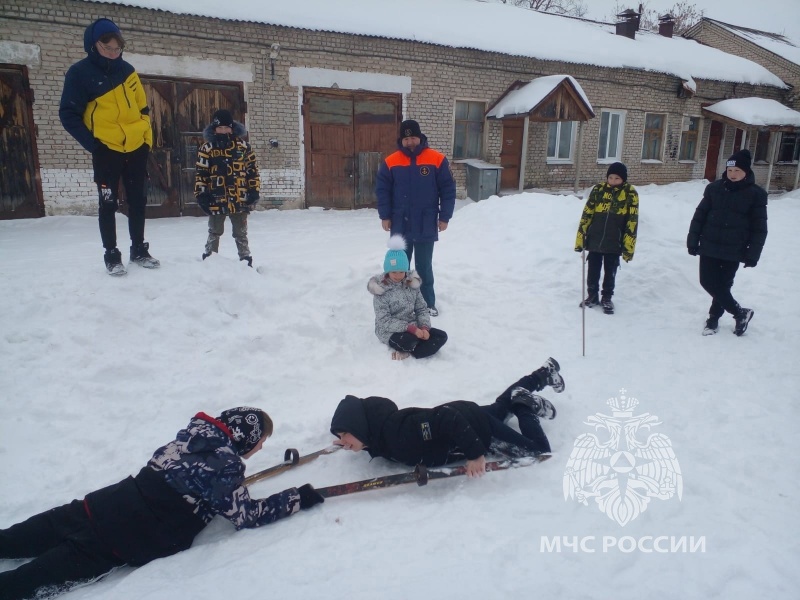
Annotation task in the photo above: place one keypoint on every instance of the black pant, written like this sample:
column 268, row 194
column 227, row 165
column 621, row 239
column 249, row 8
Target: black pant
column 64, row 547
column 109, row 168
column 507, row 441
column 610, row 263
column 716, row 277
column 408, row 342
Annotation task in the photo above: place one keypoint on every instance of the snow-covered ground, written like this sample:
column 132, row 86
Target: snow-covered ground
column 97, row 372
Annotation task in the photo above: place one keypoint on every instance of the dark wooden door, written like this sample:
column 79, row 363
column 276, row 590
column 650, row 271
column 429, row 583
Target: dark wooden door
column 712, row 154
column 511, row 153
column 179, row 111
column 347, row 134
column 20, row 183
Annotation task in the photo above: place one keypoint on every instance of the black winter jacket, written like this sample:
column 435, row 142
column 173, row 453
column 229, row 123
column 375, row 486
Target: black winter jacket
column 730, row 223
column 430, row 436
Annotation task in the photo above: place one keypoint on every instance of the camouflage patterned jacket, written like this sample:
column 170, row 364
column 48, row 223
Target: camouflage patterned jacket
column 399, row 306
column 609, row 221
column 202, row 465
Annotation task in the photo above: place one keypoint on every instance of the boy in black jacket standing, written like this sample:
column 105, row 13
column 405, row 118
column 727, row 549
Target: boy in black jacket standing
column 729, row 226
column 453, row 431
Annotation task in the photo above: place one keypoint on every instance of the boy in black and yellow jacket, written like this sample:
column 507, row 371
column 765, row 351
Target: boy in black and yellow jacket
column 104, row 107
column 607, row 230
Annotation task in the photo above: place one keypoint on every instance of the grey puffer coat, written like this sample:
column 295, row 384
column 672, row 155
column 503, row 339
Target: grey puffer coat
column 397, row 305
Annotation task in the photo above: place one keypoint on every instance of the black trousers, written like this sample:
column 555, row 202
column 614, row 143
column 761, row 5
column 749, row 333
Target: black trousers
column 109, row 168
column 65, row 550
column 505, row 440
column 610, row 264
column 716, row 277
column 408, row 342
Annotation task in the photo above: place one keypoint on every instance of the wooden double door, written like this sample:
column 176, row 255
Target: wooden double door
column 179, row 111
column 20, row 183
column 347, row 135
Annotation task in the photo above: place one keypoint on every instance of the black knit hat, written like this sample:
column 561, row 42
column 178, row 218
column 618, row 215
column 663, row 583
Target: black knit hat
column 248, row 426
column 742, row 159
column 222, row 118
column 618, row 168
column 410, row 128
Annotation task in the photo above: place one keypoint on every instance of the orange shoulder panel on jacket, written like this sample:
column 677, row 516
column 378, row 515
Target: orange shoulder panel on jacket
column 430, row 157
column 398, row 159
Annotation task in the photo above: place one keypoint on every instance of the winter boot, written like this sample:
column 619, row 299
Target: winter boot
column 607, row 304
column 206, row 255
column 433, row 311
column 141, row 256
column 249, row 260
column 541, row 407
column 712, row 325
column 549, row 374
column 114, row 264
column 591, row 300
column 742, row 318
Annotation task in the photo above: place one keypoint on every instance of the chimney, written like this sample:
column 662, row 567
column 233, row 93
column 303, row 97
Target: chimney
column 666, row 25
column 629, row 24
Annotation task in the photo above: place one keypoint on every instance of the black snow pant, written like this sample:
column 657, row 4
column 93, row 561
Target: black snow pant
column 131, row 168
column 505, row 440
column 65, row 549
column 610, row 264
column 408, row 342
column 716, row 277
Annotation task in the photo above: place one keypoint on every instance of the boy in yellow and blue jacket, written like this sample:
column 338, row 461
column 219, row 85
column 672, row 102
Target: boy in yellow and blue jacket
column 607, row 230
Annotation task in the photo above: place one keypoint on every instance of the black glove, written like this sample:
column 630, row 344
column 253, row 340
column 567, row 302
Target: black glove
column 693, row 250
column 252, row 197
column 750, row 263
column 204, row 201
column 309, row 496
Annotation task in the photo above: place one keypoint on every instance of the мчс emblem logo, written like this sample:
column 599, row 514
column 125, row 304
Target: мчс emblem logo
column 616, row 468
column 424, row 171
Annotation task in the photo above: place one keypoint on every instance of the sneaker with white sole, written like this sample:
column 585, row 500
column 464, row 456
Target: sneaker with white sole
column 742, row 319
column 140, row 254
column 113, row 260
column 542, row 407
column 434, row 311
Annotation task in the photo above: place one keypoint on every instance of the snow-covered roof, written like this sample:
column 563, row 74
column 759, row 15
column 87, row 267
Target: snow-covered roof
column 780, row 45
column 485, row 26
column 759, row 112
column 524, row 99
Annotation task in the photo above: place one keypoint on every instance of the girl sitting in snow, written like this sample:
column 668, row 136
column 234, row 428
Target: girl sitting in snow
column 402, row 318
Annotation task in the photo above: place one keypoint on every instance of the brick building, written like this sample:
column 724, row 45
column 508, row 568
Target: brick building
column 322, row 107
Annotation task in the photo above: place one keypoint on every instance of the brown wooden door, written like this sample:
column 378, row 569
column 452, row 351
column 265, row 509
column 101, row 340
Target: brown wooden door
column 20, row 184
column 179, row 111
column 511, row 153
column 347, row 134
column 712, row 154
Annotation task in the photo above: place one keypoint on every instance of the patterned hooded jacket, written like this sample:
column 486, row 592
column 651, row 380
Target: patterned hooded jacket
column 399, row 305
column 161, row 510
column 227, row 168
column 610, row 220
column 103, row 101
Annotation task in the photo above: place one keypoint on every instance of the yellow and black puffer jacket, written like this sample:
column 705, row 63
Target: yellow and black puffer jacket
column 227, row 168
column 610, row 220
column 103, row 101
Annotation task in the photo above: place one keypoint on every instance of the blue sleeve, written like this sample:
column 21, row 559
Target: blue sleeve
column 74, row 99
column 447, row 191
column 384, row 190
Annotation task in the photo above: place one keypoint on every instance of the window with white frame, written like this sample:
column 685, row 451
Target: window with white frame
column 653, row 142
column 609, row 147
column 560, row 141
column 789, row 148
column 689, row 136
column 468, row 132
